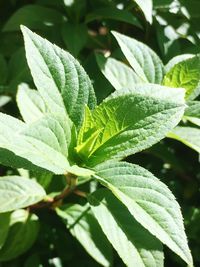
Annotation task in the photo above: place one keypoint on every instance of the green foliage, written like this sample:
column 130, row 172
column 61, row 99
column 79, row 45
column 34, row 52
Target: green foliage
column 112, row 69
column 33, row 16
column 180, row 72
column 149, row 201
column 126, row 122
column 122, row 134
column 192, row 113
column 85, row 228
column 132, row 242
column 185, row 74
column 72, row 189
column 4, row 227
column 59, row 78
column 23, row 230
column 142, row 59
column 146, row 7
column 19, row 192
column 187, row 135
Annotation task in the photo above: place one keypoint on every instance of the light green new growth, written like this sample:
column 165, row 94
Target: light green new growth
column 185, row 74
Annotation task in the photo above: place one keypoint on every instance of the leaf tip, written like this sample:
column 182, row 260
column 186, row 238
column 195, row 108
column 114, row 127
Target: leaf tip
column 114, row 33
column 23, row 28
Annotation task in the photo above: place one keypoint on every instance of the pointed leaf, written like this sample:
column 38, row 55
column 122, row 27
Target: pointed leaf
column 149, row 201
column 133, row 243
column 133, row 120
column 147, row 8
column 117, row 73
column 185, row 74
column 145, row 62
column 60, row 79
column 84, row 227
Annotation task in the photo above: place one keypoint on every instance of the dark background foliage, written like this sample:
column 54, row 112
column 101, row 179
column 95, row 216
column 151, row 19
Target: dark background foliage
column 83, row 28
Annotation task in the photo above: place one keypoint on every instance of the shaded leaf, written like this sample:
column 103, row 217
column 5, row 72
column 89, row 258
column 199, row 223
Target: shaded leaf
column 4, row 227
column 3, row 70
column 192, row 113
column 74, row 37
column 187, row 135
column 22, row 234
column 34, row 17
column 113, row 14
column 84, row 227
column 133, row 243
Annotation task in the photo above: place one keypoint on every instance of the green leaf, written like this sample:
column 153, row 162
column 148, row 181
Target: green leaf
column 3, row 70
column 113, row 14
column 33, row 261
column 10, row 159
column 117, row 73
column 149, row 201
column 75, row 37
column 4, row 100
column 22, row 234
column 147, row 8
column 192, row 113
column 60, row 79
column 88, row 124
column 187, row 135
column 4, row 227
column 34, row 17
column 19, row 192
column 133, row 243
column 83, row 226
column 30, row 103
column 176, row 60
column 18, row 70
column 145, row 62
column 132, row 120
column 44, row 143
column 35, row 143
column 9, row 126
column 185, row 74
column 44, row 179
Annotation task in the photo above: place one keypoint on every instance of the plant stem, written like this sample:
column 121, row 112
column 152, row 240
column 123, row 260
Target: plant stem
column 51, row 203
column 80, row 193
